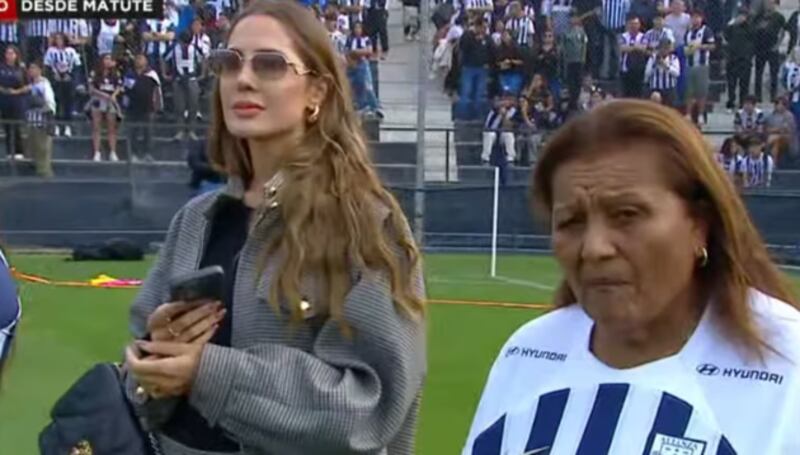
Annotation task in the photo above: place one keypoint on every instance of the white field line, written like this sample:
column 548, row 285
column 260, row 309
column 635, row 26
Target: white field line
column 526, row 283
column 497, row 280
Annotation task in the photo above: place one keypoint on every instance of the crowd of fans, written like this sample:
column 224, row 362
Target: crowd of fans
column 521, row 67
column 524, row 66
column 151, row 70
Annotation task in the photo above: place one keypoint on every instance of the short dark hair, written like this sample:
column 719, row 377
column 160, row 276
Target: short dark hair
column 751, row 99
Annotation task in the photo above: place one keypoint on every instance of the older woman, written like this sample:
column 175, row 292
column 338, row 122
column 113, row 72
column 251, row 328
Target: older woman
column 673, row 328
column 318, row 345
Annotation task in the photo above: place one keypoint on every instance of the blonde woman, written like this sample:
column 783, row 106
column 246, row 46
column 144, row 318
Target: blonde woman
column 318, row 345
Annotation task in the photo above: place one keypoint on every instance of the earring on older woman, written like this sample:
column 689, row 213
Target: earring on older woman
column 313, row 116
column 702, row 256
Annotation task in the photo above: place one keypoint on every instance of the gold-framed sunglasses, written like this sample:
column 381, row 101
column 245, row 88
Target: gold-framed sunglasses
column 267, row 65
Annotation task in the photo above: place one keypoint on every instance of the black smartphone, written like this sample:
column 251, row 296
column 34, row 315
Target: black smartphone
column 207, row 284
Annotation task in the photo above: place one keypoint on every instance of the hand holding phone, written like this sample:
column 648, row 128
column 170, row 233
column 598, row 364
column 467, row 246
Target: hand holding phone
column 195, row 307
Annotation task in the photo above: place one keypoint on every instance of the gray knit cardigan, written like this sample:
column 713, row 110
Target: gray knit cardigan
column 284, row 390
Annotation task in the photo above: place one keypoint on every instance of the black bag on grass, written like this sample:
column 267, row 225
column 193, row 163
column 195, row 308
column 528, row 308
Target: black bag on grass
column 112, row 250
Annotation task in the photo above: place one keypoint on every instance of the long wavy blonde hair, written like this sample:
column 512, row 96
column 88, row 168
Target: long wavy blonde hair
column 330, row 190
column 738, row 258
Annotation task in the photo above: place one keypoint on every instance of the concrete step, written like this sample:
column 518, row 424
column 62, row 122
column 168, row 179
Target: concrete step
column 391, row 174
column 782, row 179
column 80, row 148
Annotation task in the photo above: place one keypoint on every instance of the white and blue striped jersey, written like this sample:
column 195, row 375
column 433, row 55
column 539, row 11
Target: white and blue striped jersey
column 654, row 37
column 626, row 39
column 758, row 170
column 548, row 394
column 615, row 13
column 662, row 77
column 700, row 37
column 159, row 48
column 71, row 27
column 790, row 76
column 522, row 29
column 39, row 28
column 749, row 122
column 495, row 120
column 62, row 61
column 9, row 32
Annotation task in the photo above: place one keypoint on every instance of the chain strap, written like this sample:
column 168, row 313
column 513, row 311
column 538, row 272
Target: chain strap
column 154, row 445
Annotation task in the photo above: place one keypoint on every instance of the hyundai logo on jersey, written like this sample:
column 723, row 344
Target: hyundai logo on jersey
column 708, row 369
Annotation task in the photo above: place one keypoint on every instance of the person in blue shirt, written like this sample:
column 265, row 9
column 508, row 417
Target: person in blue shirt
column 10, row 309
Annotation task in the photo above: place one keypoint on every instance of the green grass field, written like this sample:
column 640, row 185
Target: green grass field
column 66, row 330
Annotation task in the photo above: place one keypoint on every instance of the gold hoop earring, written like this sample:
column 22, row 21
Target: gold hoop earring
column 314, row 115
column 702, row 255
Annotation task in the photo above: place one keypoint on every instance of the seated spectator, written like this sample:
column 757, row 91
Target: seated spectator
column 662, row 72
column 781, row 129
column 503, row 121
column 586, row 90
column 730, row 156
column 10, row 310
column 539, row 113
column 535, row 98
column 758, row 165
column 104, row 105
column 598, row 97
column 655, row 96
column 749, row 121
column 475, row 56
column 144, row 98
column 360, row 50
column 61, row 65
column 508, row 61
column 39, row 116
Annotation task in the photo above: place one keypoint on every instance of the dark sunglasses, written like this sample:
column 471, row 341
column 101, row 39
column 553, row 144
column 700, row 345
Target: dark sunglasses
column 267, row 65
